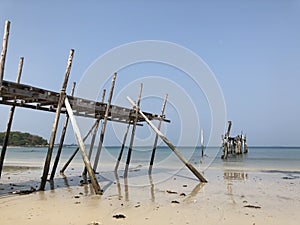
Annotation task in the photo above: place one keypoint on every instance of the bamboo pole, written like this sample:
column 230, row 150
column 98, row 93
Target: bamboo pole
column 177, row 153
column 62, row 138
column 55, row 123
column 4, row 50
column 77, row 149
column 94, row 135
column 133, row 132
column 87, row 163
column 202, row 142
column 122, row 148
column 104, row 122
column 10, row 119
column 156, row 137
column 103, row 95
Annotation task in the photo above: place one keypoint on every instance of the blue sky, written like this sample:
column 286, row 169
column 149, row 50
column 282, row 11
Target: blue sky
column 252, row 47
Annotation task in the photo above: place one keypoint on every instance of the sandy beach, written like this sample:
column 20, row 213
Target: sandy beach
column 230, row 197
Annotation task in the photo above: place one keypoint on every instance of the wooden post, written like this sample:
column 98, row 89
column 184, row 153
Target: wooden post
column 4, row 50
column 103, row 95
column 104, row 122
column 62, row 138
column 87, row 163
column 77, row 149
column 156, row 137
column 10, row 119
column 94, row 135
column 122, row 148
column 178, row 154
column 202, row 142
column 133, row 131
column 55, row 123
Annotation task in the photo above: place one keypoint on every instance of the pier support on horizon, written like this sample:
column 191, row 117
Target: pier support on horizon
column 62, row 138
column 104, row 122
column 10, row 120
column 94, row 135
column 56, row 120
column 202, row 142
column 171, row 146
column 156, row 137
column 86, row 161
column 122, row 148
column 133, row 132
column 4, row 50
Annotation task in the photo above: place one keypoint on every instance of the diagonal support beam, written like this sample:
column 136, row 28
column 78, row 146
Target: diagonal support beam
column 86, row 161
column 171, row 146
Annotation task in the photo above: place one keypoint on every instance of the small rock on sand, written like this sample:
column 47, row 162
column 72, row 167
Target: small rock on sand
column 119, row 216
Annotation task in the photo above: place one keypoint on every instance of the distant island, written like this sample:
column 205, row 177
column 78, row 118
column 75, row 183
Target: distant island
column 17, row 138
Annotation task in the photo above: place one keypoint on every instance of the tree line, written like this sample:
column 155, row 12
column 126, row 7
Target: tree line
column 17, row 138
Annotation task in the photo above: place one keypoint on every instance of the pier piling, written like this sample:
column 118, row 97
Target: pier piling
column 156, row 137
column 133, row 132
column 104, row 122
column 122, row 148
column 62, row 138
column 94, row 135
column 4, row 50
column 55, row 123
column 10, row 120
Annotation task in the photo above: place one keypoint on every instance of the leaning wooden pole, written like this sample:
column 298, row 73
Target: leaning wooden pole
column 122, row 148
column 156, row 137
column 104, row 122
column 62, row 139
column 133, row 132
column 77, row 149
column 94, row 135
column 10, row 119
column 4, row 50
column 55, row 123
column 86, row 161
column 172, row 147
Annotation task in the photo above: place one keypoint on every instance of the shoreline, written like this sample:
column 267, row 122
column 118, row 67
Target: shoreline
column 230, row 197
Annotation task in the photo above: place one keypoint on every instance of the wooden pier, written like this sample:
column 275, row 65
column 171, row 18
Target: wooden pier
column 16, row 94
column 233, row 145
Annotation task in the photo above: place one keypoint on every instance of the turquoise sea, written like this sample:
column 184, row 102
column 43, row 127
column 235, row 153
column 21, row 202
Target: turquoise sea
column 23, row 167
column 258, row 158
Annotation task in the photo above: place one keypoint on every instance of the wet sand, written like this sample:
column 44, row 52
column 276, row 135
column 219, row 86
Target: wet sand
column 230, row 197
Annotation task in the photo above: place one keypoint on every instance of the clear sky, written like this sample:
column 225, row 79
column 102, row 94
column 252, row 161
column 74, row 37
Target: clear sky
column 252, row 47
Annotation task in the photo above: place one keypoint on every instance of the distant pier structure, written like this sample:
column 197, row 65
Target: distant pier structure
column 233, row 145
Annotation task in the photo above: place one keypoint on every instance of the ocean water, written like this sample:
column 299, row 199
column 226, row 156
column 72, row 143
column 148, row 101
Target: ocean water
column 23, row 167
column 258, row 158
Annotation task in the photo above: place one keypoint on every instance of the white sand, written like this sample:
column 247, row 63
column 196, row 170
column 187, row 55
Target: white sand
column 221, row 201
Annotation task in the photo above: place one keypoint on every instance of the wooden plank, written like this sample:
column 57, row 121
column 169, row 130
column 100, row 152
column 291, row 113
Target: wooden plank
column 172, row 147
column 86, row 161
